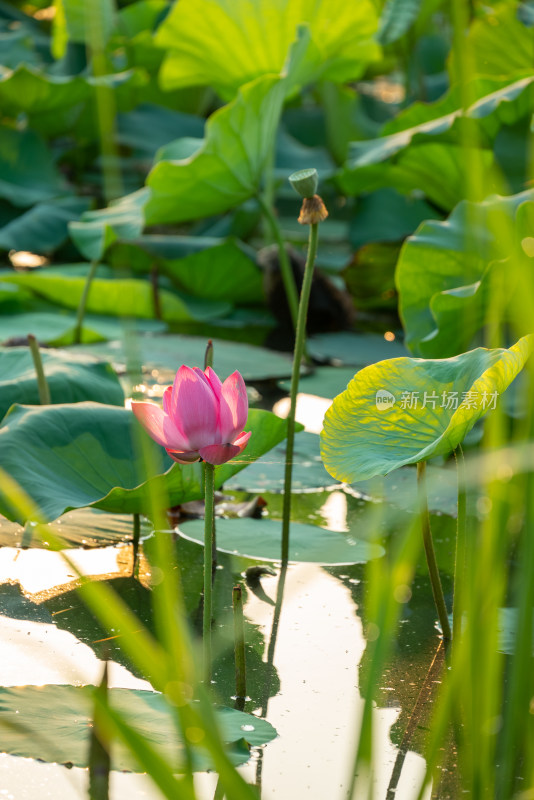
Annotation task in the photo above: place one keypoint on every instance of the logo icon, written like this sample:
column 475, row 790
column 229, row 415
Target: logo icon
column 384, row 400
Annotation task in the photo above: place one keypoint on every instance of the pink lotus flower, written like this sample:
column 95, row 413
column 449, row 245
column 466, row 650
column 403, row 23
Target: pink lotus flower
column 201, row 418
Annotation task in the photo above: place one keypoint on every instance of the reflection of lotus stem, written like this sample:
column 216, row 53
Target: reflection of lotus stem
column 300, row 340
column 99, row 758
column 435, row 580
column 209, row 526
column 83, row 302
column 421, row 706
column 239, row 649
column 42, row 385
column 285, row 267
column 459, row 565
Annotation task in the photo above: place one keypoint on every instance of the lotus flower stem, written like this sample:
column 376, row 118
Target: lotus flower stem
column 208, row 355
column 209, row 527
column 300, row 340
column 42, row 384
column 83, row 302
column 288, row 277
column 208, row 362
column 459, row 565
column 239, row 649
column 135, row 542
column 437, row 589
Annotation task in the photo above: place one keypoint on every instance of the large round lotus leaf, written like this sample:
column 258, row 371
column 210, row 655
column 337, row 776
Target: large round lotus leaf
column 84, row 527
column 57, row 327
column 53, row 723
column 170, row 352
column 260, row 539
column 323, row 381
column 267, row 474
column 354, row 349
column 71, row 378
column 407, row 410
column 88, row 454
column 194, row 36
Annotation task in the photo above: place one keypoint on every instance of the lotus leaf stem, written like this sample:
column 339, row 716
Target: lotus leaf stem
column 286, row 271
column 459, row 563
column 42, row 383
column 435, row 580
column 83, row 302
column 135, row 541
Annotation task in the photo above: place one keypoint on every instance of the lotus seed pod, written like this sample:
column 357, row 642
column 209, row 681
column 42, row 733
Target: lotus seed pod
column 305, row 182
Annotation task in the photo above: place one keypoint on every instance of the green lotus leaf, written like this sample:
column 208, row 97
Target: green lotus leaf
column 71, row 378
column 224, row 272
column 261, row 539
column 422, row 148
column 84, row 527
column 323, row 382
column 149, row 126
column 203, row 177
column 78, row 22
column 261, row 32
column 227, row 166
column 96, row 230
column 387, row 216
column 53, row 723
column 407, row 410
column 267, row 473
column 489, row 42
column 354, row 349
column 55, row 103
column 169, row 351
column 125, row 297
column 57, row 328
column 28, row 174
column 44, row 227
column 444, row 273
column 223, row 172
column 88, row 454
column 397, row 18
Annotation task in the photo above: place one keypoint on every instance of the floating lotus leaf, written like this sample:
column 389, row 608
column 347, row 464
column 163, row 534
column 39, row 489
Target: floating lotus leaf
column 57, row 327
column 53, row 723
column 261, row 539
column 169, row 352
column 84, row 527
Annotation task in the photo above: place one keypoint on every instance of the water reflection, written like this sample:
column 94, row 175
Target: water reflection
column 317, row 666
column 318, row 709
